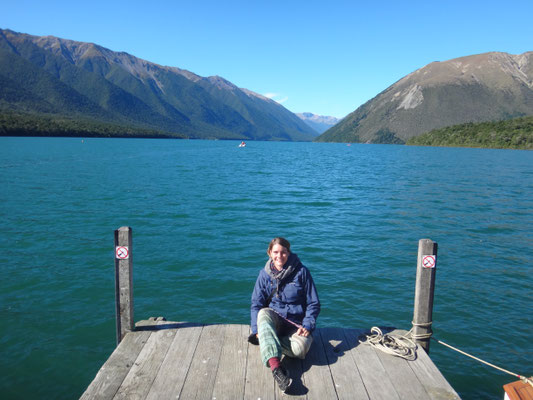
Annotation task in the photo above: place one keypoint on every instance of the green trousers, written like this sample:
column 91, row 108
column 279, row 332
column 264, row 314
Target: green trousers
column 277, row 337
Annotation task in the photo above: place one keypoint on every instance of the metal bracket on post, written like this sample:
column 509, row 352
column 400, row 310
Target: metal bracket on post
column 123, row 282
column 424, row 293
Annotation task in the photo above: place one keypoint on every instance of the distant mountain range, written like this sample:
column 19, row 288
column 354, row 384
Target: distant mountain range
column 485, row 87
column 58, row 78
column 48, row 84
column 319, row 123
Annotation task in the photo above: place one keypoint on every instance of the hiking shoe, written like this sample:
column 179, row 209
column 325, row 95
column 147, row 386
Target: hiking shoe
column 281, row 376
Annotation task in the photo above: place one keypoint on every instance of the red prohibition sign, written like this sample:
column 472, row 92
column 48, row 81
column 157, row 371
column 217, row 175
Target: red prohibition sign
column 428, row 261
column 122, row 252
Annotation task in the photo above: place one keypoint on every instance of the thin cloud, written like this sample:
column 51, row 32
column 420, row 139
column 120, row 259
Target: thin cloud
column 277, row 97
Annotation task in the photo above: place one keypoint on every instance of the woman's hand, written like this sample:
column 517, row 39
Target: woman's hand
column 302, row 332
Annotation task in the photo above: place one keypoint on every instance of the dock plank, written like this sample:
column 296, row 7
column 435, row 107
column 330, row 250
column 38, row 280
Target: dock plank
column 402, row 376
column 259, row 381
column 144, row 370
column 431, row 378
column 347, row 380
column 175, row 367
column 317, row 375
column 170, row 360
column 375, row 378
column 231, row 374
column 111, row 375
column 428, row 374
column 203, row 370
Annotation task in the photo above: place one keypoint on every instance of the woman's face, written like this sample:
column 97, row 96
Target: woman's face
column 279, row 255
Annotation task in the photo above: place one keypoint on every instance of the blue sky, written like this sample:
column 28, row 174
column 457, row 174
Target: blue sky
column 322, row 57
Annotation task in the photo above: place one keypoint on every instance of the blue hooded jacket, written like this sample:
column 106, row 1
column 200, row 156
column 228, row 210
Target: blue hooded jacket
column 294, row 297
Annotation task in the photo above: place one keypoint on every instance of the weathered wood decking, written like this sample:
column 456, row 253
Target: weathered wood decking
column 170, row 360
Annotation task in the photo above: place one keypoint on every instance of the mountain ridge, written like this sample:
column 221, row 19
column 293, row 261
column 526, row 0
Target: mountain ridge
column 477, row 88
column 118, row 87
column 320, row 123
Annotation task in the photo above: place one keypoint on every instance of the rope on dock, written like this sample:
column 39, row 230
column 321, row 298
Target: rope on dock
column 405, row 347
column 522, row 378
column 399, row 346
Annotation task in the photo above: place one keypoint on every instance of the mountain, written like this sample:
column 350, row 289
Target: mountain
column 484, row 87
column 319, row 123
column 61, row 78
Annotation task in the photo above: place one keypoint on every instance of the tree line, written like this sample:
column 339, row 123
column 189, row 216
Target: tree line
column 21, row 124
column 508, row 134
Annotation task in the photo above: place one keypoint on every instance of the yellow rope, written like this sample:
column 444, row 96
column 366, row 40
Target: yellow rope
column 522, row 378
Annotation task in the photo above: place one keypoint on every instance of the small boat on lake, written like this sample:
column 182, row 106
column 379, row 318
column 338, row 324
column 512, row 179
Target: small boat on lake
column 242, row 144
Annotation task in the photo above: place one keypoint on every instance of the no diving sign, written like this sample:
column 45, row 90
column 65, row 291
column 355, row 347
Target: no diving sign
column 122, row 252
column 429, row 261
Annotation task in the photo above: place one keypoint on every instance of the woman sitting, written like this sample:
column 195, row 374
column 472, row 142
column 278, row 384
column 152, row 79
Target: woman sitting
column 284, row 309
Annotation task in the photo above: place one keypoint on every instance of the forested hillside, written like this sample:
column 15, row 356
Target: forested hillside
column 510, row 134
column 85, row 86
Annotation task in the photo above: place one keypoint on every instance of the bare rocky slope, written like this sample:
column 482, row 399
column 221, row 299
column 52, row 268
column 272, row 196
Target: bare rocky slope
column 485, row 87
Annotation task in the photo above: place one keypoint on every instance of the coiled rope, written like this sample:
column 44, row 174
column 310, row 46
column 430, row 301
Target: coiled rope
column 399, row 346
column 405, row 347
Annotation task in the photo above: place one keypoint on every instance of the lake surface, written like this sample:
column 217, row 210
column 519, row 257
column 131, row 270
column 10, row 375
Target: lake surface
column 202, row 214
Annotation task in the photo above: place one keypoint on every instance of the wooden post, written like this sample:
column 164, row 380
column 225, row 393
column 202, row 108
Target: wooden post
column 123, row 281
column 424, row 290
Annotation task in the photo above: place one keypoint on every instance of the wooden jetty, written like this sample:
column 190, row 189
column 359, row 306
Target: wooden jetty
column 157, row 359
column 171, row 360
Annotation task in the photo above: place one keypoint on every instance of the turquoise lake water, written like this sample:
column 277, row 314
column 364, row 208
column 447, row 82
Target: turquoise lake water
column 202, row 214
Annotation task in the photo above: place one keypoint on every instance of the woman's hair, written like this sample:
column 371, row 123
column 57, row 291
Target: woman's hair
column 281, row 241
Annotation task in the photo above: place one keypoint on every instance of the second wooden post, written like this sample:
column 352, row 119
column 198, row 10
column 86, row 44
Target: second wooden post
column 123, row 282
column 424, row 291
